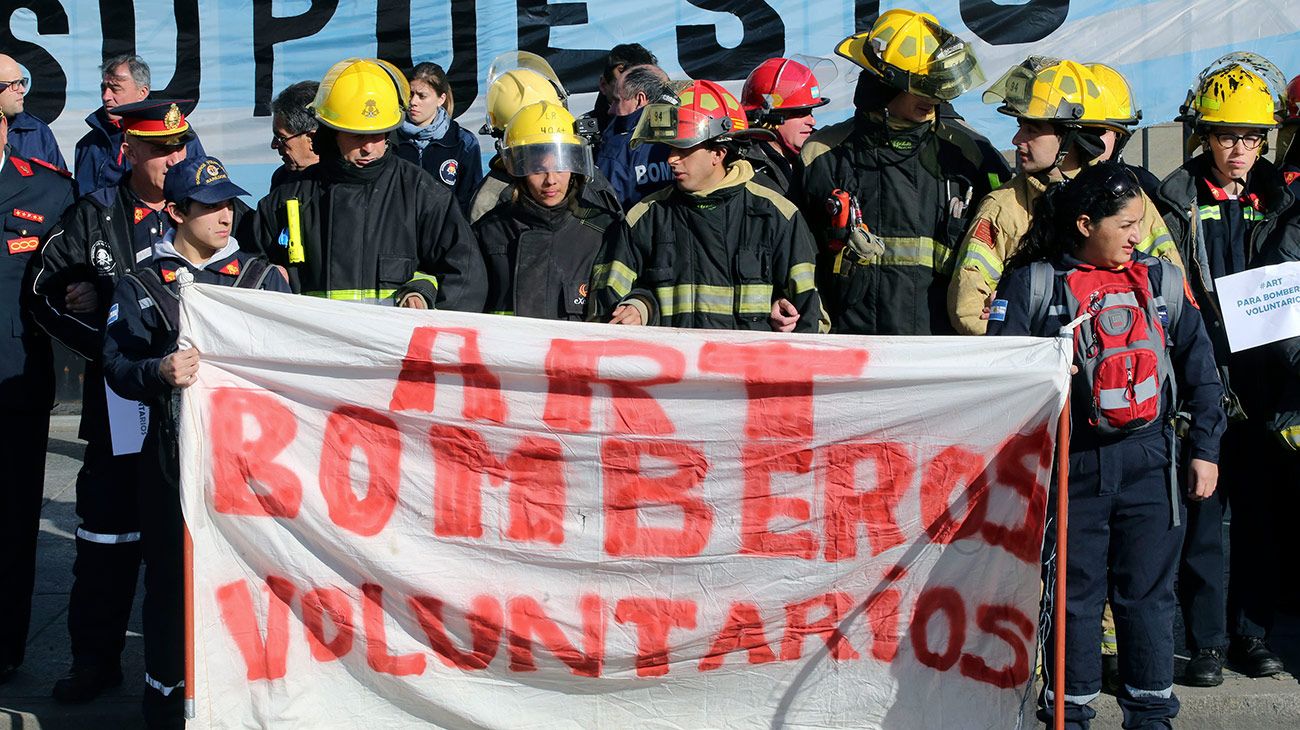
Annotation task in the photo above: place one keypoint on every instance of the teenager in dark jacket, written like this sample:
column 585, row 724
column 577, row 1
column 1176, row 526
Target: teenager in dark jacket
column 142, row 362
column 430, row 138
column 540, row 247
column 1125, row 512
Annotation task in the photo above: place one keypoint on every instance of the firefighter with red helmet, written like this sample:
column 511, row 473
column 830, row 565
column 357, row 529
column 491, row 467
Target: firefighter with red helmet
column 717, row 248
column 1288, row 151
column 780, row 95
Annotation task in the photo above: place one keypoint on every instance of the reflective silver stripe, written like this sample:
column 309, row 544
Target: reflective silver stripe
column 104, row 539
column 1115, row 398
column 162, row 687
column 1056, row 310
column 143, row 255
column 1074, row 699
column 145, row 303
column 1163, row 694
column 986, row 261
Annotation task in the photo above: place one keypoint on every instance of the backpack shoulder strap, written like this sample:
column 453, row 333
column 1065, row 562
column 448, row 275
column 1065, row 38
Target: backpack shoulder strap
column 1041, row 275
column 162, row 297
column 1170, row 295
column 253, row 273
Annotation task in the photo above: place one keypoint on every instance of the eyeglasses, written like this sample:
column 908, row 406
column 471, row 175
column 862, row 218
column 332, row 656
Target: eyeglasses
column 22, row 83
column 1228, row 141
column 277, row 141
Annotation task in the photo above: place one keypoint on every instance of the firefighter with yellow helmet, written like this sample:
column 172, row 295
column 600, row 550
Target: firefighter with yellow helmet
column 889, row 192
column 541, row 246
column 362, row 224
column 716, row 249
column 1223, row 207
column 517, row 79
column 1070, row 115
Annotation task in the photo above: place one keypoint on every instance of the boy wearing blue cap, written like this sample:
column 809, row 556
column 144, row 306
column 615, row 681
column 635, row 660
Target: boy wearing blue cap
column 142, row 361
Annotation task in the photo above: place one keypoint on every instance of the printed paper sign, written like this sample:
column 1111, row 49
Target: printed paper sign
column 128, row 422
column 1260, row 305
column 406, row 518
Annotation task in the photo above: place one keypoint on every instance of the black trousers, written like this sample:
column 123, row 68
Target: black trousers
column 108, row 555
column 163, row 530
column 1256, row 480
column 23, row 436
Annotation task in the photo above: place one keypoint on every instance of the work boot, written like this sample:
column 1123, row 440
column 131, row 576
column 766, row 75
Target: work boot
column 1252, row 657
column 1205, row 669
column 85, row 682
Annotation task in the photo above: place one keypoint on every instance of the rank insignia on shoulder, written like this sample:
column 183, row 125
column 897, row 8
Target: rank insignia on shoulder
column 169, row 275
column 231, row 269
column 22, row 167
column 141, row 214
column 52, row 166
column 27, row 215
column 23, row 245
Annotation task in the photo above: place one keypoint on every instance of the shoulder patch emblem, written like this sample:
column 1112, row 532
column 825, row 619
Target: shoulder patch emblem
column 113, row 312
column 231, row 269
column 22, row 167
column 1290, row 176
column 101, row 257
column 141, row 214
column 169, row 275
column 448, row 171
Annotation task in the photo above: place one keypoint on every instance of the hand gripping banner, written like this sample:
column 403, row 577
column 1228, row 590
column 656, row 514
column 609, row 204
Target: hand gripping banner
column 405, row 518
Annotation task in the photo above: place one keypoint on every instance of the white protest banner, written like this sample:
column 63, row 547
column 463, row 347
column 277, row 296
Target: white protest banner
column 128, row 423
column 1260, row 305
column 407, row 518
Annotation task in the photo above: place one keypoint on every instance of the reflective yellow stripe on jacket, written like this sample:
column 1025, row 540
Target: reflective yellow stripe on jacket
column 708, row 299
column 909, row 251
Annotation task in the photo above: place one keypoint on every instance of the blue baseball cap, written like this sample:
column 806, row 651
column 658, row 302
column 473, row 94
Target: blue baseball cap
column 203, row 179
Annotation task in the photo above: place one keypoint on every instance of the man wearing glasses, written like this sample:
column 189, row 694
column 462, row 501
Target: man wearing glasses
column 100, row 160
column 1221, row 206
column 293, row 127
column 28, row 136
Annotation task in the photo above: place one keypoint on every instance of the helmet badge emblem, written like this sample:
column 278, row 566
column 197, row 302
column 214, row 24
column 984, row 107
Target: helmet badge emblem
column 371, row 109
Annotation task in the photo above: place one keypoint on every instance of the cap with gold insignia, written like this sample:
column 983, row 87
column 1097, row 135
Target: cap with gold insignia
column 203, row 179
column 160, row 121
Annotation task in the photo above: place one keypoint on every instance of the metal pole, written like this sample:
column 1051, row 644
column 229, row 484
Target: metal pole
column 189, row 625
column 1062, row 522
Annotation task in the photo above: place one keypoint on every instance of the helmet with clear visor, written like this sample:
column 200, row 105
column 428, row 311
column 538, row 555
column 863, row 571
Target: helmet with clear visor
column 705, row 112
column 911, row 52
column 543, row 137
column 515, row 80
column 1052, row 90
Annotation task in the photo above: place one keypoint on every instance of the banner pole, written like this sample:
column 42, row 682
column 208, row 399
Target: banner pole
column 189, row 624
column 1062, row 521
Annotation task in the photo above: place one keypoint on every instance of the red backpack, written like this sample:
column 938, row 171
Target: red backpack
column 1123, row 347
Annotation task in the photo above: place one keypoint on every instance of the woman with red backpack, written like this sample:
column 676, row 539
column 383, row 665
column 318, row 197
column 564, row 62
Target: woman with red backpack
column 1144, row 368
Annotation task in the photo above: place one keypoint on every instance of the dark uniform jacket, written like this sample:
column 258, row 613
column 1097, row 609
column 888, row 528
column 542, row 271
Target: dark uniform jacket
column 99, row 157
column 32, row 138
column 375, row 234
column 783, row 174
column 1199, row 391
column 917, row 188
column 1217, row 236
column 632, row 173
column 453, row 160
column 715, row 259
column 104, row 234
column 32, row 198
column 539, row 260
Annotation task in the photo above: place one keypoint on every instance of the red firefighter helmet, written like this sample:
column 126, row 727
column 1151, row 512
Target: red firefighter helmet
column 705, row 111
column 1292, row 115
column 786, row 84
